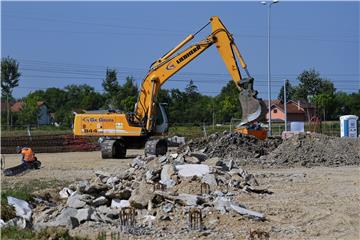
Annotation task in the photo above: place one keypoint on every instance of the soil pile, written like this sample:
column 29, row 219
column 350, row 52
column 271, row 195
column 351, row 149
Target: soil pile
column 233, row 145
column 315, row 150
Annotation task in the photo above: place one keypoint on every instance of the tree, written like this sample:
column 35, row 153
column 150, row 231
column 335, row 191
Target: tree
column 111, row 87
column 82, row 97
column 10, row 76
column 289, row 91
column 29, row 113
column 324, row 104
column 55, row 98
column 191, row 90
column 127, row 95
column 312, row 84
column 227, row 103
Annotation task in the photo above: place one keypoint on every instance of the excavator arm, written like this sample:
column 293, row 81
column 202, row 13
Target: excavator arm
column 169, row 65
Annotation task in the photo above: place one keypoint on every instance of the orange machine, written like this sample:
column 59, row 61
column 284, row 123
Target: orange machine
column 258, row 133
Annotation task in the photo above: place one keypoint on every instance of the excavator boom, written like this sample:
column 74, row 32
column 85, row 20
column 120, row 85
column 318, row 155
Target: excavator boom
column 169, row 65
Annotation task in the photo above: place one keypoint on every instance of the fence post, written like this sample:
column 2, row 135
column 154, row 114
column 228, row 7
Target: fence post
column 204, row 128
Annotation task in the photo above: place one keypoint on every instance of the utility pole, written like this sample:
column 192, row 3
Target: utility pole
column 7, row 111
column 285, row 105
column 213, row 115
column 269, row 69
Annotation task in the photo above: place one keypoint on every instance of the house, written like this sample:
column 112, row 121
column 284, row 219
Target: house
column 43, row 117
column 297, row 111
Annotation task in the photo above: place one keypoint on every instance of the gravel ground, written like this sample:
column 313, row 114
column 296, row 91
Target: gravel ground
column 308, row 203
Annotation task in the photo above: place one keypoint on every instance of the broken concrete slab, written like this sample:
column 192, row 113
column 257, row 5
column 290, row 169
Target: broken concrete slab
column 191, row 160
column 102, row 174
column 246, row 212
column 230, row 165
column 179, row 160
column 65, row 193
column 111, row 213
column 222, row 204
column 215, row 162
column 137, row 162
column 22, row 208
column 141, row 196
column 117, row 203
column 121, row 194
column 112, row 181
column 210, row 179
column 66, row 219
column 257, row 190
column 151, row 176
column 174, row 155
column 75, row 201
column 166, row 175
column 100, row 201
column 190, row 170
column 199, row 155
column 182, row 198
column 167, row 207
column 163, row 160
column 82, row 185
column 84, row 214
column 17, row 222
column 2, row 223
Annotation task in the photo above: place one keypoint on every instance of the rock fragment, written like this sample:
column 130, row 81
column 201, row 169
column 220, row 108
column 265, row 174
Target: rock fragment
column 22, row 208
column 189, row 170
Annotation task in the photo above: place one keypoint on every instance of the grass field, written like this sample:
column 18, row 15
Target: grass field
column 187, row 130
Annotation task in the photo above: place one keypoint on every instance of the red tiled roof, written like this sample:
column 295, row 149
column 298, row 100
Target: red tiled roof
column 16, row 107
column 291, row 106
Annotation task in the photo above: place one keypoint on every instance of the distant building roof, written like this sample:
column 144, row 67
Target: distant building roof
column 291, row 106
column 17, row 106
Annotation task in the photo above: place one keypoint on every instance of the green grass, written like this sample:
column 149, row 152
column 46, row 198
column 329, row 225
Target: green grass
column 186, row 130
column 16, row 234
column 191, row 131
column 48, row 233
column 23, row 191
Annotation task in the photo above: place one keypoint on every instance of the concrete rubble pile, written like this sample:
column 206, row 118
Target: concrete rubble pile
column 234, row 145
column 314, row 150
column 161, row 190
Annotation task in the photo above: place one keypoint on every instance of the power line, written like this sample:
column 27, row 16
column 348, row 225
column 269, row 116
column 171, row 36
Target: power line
column 173, row 32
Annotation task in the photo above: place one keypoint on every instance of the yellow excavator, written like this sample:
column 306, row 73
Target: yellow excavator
column 121, row 131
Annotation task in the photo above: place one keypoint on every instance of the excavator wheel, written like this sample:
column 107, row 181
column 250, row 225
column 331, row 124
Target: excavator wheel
column 156, row 147
column 113, row 149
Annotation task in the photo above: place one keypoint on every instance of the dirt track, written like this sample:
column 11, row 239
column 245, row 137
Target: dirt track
column 308, row 203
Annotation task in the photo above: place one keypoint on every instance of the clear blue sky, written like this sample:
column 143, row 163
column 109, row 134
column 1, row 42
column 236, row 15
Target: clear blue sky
column 61, row 43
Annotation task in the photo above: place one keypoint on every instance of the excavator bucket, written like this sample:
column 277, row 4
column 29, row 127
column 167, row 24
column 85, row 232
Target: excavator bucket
column 252, row 107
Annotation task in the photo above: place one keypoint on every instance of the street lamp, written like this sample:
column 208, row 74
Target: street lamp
column 269, row 72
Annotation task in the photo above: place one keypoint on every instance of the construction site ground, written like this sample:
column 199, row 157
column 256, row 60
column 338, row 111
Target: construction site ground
column 308, row 203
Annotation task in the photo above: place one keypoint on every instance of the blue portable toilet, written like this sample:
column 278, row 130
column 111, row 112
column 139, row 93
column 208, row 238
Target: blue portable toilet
column 348, row 126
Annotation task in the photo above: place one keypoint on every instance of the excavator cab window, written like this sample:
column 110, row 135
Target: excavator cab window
column 162, row 124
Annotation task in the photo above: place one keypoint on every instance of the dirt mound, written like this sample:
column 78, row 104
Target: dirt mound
column 234, row 145
column 315, row 150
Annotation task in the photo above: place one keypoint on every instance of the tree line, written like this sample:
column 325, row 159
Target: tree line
column 187, row 106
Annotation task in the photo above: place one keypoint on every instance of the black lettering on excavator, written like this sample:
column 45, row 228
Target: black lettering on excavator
column 188, row 54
